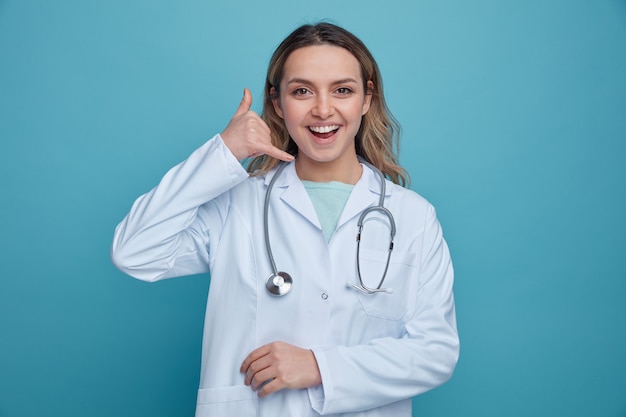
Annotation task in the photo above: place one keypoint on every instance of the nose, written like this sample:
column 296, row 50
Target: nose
column 323, row 107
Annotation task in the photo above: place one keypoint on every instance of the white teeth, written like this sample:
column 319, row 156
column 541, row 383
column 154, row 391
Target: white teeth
column 323, row 129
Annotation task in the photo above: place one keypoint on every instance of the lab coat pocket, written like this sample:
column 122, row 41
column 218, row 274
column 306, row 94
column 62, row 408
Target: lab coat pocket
column 237, row 400
column 401, row 274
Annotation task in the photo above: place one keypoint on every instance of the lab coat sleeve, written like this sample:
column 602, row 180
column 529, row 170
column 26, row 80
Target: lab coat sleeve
column 387, row 370
column 163, row 235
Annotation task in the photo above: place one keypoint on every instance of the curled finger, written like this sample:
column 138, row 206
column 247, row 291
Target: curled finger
column 261, row 377
column 254, row 369
column 271, row 387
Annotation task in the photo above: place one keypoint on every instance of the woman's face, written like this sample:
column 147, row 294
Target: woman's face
column 322, row 101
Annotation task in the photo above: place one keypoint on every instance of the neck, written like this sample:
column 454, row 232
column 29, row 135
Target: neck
column 347, row 171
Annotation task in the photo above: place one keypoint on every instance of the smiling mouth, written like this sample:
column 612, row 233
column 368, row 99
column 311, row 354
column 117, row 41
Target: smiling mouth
column 323, row 132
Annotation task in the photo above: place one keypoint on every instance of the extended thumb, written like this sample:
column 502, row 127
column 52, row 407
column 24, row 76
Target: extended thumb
column 246, row 102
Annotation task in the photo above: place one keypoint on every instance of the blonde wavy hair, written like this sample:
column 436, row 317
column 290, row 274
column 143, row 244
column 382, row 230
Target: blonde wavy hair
column 378, row 137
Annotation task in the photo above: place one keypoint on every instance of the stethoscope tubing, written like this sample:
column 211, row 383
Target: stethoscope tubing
column 280, row 283
column 266, row 206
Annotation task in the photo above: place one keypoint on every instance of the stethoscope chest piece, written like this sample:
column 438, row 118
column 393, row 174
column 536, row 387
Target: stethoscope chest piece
column 279, row 283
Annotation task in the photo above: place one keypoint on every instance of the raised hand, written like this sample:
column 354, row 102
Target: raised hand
column 247, row 135
column 280, row 365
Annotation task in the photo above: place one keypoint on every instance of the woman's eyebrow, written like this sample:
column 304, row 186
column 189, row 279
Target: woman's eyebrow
column 304, row 81
column 346, row 81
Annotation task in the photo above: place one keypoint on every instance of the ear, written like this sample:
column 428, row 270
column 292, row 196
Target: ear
column 276, row 102
column 369, row 91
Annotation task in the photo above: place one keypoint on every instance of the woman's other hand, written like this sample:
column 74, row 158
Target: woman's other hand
column 279, row 365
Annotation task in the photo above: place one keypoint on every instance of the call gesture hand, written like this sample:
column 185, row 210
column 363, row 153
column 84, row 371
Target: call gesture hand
column 247, row 135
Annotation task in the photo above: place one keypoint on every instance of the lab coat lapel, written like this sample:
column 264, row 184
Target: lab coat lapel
column 366, row 193
column 292, row 192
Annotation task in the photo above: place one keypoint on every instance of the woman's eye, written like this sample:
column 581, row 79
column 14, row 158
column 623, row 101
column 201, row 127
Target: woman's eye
column 300, row 91
column 344, row 91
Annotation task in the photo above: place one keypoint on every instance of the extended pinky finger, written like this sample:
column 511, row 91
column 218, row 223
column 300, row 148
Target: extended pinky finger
column 273, row 151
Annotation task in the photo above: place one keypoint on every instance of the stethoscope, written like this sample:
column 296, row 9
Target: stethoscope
column 280, row 283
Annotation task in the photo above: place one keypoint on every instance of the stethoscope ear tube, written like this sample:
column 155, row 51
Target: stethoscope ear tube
column 392, row 233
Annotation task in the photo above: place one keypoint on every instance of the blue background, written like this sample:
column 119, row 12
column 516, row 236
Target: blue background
column 514, row 126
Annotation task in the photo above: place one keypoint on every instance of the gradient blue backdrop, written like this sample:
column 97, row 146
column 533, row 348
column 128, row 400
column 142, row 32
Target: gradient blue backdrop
column 514, row 117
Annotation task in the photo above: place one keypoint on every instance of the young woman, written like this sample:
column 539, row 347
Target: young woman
column 353, row 327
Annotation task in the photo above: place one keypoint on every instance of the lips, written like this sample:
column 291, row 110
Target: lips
column 323, row 132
